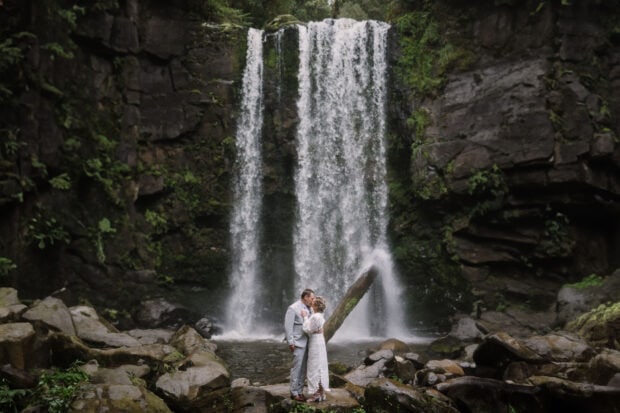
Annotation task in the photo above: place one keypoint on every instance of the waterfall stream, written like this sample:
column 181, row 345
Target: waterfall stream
column 340, row 177
column 247, row 192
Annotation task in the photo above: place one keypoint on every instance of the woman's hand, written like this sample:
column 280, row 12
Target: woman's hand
column 304, row 313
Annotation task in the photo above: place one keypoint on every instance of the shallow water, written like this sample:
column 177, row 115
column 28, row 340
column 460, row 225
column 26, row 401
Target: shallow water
column 268, row 361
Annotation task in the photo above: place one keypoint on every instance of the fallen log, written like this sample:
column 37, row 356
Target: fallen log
column 353, row 296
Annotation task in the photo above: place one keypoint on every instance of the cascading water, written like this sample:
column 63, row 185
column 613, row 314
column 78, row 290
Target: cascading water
column 341, row 176
column 247, row 190
column 340, row 179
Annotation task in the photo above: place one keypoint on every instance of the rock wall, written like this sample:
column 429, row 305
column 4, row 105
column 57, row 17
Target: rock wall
column 513, row 163
column 139, row 127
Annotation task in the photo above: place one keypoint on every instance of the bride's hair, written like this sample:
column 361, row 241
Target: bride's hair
column 320, row 303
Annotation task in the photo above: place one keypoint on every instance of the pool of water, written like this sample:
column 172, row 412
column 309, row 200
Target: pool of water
column 268, row 361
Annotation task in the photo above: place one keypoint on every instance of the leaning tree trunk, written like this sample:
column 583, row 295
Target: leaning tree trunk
column 353, row 296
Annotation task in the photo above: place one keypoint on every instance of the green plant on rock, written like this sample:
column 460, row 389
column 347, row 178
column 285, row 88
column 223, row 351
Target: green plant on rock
column 10, row 398
column 97, row 235
column 427, row 54
column 57, row 389
column 62, row 182
column 45, row 231
column 488, row 188
column 6, row 266
column 591, row 280
column 556, row 239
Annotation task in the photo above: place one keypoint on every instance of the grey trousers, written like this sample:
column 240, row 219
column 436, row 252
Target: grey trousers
column 298, row 371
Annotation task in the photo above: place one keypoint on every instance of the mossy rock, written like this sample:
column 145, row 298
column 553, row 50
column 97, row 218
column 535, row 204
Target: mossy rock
column 600, row 327
column 281, row 21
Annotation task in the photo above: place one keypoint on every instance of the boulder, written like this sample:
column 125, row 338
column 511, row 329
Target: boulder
column 53, row 313
column 604, row 367
column 128, row 374
column 152, row 336
column 560, row 346
column 186, row 389
column 65, row 349
column 160, row 313
column 498, row 350
column 189, row 341
column 17, row 344
column 466, row 329
column 577, row 397
column 395, row 345
column 390, row 396
column 484, row 395
column 365, row 374
column 90, row 328
column 576, row 299
column 599, row 327
column 8, row 297
column 126, row 398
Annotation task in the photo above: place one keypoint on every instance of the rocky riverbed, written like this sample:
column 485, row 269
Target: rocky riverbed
column 477, row 367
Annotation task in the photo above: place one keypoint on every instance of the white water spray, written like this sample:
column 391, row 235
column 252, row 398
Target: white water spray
column 247, row 190
column 341, row 175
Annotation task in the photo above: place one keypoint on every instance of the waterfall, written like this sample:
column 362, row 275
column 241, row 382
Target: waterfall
column 341, row 175
column 247, row 193
column 339, row 183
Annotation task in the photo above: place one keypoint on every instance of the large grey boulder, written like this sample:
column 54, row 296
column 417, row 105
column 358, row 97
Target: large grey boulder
column 53, row 313
column 90, row 328
column 10, row 306
column 576, row 299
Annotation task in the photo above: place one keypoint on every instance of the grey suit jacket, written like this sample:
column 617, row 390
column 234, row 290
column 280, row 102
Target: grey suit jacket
column 293, row 325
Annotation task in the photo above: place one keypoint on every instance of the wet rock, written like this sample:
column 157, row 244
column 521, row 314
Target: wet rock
column 447, row 346
column 395, row 345
column 466, row 329
column 17, row 378
column 445, row 366
column 379, row 355
column 188, row 341
column 206, row 327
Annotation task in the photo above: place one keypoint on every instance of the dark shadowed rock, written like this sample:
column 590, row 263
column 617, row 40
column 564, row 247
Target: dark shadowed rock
column 390, row 396
column 484, row 395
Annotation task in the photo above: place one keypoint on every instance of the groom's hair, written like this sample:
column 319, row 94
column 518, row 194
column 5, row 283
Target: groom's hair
column 306, row 293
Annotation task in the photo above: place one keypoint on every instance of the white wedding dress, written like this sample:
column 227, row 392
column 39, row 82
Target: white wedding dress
column 318, row 371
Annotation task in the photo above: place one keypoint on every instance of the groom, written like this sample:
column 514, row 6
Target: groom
column 297, row 342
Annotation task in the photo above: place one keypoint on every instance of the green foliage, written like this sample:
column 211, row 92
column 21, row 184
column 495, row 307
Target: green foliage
column 6, row 266
column 157, row 220
column 591, row 280
column 62, row 181
column 97, row 235
column 45, row 231
column 489, row 181
column 10, row 399
column 556, row 239
column 57, row 389
column 105, row 169
column 420, row 119
column 427, row 54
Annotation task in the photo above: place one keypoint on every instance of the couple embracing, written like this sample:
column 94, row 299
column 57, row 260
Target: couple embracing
column 303, row 325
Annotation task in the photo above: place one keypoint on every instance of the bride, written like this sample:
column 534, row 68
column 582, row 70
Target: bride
column 318, row 373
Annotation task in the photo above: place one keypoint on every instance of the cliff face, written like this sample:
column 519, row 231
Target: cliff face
column 116, row 163
column 119, row 181
column 513, row 187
